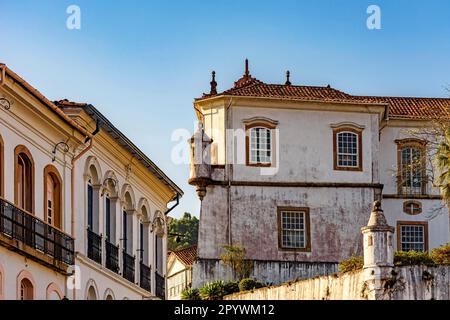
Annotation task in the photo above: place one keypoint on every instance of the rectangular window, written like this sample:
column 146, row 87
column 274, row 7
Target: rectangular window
column 90, row 206
column 260, row 146
column 411, row 171
column 294, row 233
column 141, row 241
column 347, row 149
column 125, row 233
column 108, row 218
column 412, row 236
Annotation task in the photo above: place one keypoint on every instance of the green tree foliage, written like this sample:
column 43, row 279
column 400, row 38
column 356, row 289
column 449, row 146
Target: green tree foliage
column 354, row 263
column 235, row 258
column 442, row 161
column 187, row 227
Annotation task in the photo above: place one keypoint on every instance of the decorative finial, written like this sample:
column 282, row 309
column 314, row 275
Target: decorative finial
column 328, row 86
column 213, row 83
column 247, row 72
column 377, row 206
column 288, row 82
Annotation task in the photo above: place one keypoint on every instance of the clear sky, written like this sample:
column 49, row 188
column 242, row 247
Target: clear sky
column 141, row 63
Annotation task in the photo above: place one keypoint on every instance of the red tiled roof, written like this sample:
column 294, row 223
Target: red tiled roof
column 187, row 255
column 399, row 107
column 414, row 108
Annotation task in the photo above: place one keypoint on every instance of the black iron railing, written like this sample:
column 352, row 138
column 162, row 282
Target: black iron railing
column 94, row 246
column 160, row 286
column 112, row 256
column 24, row 227
column 128, row 266
column 145, row 276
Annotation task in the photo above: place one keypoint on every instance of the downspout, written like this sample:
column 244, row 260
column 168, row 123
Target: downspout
column 72, row 184
column 229, row 172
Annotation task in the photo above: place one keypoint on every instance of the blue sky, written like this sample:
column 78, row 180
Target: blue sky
column 141, row 63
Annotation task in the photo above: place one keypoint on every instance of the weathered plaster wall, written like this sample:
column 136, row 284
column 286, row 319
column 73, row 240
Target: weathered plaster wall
column 410, row 283
column 305, row 150
column 335, row 218
column 273, row 272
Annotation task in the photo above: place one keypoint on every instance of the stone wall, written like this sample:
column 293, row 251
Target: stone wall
column 274, row 272
column 405, row 283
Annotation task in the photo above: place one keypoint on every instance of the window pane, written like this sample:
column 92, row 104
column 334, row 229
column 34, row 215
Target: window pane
column 293, row 229
column 260, row 145
column 347, row 149
column 412, row 237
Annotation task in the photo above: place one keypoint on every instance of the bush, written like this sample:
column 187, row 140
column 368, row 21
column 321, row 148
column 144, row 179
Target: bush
column 409, row 258
column 441, row 255
column 250, row 284
column 190, row 294
column 354, row 263
column 231, row 287
column 212, row 290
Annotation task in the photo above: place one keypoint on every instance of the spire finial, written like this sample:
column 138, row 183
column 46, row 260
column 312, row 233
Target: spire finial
column 247, row 72
column 213, row 84
column 288, row 75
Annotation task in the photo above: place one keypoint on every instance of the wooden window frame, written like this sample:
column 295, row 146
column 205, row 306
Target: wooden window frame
column 57, row 209
column 306, row 210
column 2, row 168
column 17, row 151
column 409, row 202
column 411, row 143
column 259, row 124
column 408, row 223
column 358, row 132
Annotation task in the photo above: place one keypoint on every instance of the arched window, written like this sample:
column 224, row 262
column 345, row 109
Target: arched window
column 127, row 223
column 143, row 236
column 2, row 172
column 26, row 290
column 93, row 187
column 411, row 166
column 91, row 295
column 347, row 145
column 52, row 197
column 24, row 179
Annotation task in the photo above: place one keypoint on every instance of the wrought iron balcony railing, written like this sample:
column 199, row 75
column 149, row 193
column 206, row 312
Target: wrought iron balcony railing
column 26, row 228
column 145, row 276
column 128, row 266
column 94, row 246
column 160, row 286
column 112, row 256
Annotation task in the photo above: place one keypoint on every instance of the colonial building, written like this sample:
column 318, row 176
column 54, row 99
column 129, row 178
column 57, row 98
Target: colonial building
column 179, row 271
column 290, row 172
column 82, row 209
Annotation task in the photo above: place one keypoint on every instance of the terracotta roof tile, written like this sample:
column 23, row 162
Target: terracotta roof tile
column 187, row 255
column 399, row 107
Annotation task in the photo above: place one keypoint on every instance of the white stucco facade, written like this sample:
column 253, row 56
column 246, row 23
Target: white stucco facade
column 137, row 192
column 241, row 201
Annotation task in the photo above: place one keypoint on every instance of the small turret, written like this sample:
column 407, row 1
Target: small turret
column 200, row 167
column 378, row 251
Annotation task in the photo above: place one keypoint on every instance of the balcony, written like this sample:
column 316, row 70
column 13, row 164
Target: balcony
column 160, row 286
column 94, row 246
column 112, row 257
column 48, row 244
column 128, row 266
column 145, row 276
